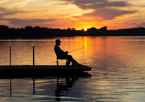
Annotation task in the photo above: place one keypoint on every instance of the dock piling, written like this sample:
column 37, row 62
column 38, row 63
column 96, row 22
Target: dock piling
column 33, row 55
column 10, row 56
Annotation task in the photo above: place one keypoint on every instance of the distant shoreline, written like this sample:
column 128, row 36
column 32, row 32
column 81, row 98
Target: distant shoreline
column 44, row 33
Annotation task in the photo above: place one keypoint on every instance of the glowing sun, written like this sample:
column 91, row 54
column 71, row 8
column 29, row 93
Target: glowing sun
column 85, row 29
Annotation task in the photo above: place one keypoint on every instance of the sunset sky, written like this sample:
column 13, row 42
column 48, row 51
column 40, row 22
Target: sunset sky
column 116, row 14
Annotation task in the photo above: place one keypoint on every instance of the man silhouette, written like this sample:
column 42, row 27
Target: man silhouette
column 64, row 54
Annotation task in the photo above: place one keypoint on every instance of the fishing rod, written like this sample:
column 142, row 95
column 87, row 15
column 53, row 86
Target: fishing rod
column 76, row 49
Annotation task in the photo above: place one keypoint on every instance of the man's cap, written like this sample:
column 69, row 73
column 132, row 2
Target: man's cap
column 57, row 41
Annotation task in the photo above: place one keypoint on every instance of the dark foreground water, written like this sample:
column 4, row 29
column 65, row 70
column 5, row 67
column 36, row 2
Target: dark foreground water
column 118, row 73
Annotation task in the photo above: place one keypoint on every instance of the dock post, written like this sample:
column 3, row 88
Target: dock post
column 10, row 65
column 33, row 55
column 10, row 56
column 33, row 70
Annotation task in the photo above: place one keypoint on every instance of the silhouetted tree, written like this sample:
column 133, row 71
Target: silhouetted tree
column 103, row 28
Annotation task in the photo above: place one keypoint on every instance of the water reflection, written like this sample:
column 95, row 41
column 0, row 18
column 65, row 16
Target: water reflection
column 10, row 87
column 61, row 86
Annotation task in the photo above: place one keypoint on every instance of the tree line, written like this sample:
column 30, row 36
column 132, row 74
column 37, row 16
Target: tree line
column 37, row 32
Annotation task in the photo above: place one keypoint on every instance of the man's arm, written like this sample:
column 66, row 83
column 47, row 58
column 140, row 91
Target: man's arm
column 58, row 50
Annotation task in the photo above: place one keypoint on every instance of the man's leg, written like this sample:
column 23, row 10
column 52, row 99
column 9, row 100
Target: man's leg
column 70, row 59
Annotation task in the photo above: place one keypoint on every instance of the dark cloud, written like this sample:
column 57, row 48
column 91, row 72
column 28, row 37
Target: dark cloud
column 95, row 4
column 141, row 25
column 4, row 12
column 32, row 22
column 20, row 22
column 108, row 14
column 103, row 8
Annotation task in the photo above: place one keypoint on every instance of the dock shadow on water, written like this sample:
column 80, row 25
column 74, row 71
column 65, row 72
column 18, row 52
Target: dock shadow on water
column 40, row 87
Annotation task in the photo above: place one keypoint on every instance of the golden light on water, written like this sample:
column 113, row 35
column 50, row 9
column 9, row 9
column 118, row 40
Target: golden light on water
column 86, row 44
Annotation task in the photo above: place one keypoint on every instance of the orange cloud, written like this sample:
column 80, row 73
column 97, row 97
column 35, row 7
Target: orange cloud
column 72, row 13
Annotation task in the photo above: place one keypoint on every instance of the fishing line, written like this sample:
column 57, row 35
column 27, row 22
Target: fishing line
column 79, row 49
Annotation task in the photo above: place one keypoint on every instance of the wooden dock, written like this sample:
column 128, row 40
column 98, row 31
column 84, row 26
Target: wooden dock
column 40, row 70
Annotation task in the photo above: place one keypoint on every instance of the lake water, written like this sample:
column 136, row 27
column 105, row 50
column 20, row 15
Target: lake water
column 118, row 73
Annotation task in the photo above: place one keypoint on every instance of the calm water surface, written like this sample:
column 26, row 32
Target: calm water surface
column 118, row 73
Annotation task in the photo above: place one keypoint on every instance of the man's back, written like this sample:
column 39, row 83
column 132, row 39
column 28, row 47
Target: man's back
column 59, row 53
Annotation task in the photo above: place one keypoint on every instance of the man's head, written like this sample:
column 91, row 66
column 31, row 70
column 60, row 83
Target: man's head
column 57, row 42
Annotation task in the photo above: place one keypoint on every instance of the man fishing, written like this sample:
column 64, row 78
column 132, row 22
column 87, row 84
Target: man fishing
column 64, row 55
